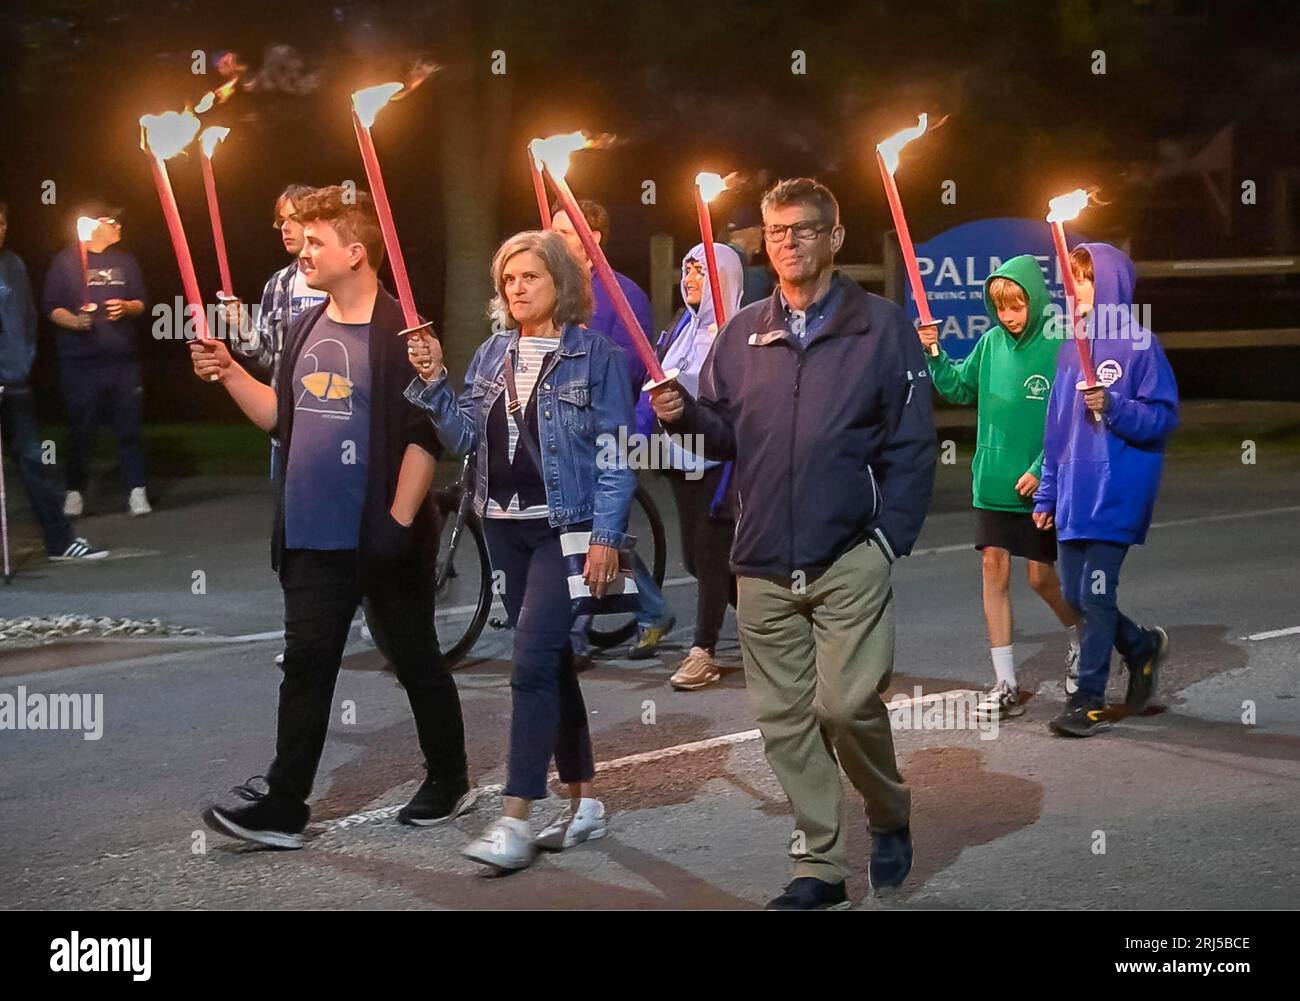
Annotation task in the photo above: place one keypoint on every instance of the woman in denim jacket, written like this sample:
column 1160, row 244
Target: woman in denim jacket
column 572, row 388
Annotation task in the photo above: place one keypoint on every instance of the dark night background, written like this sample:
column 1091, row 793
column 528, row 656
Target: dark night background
column 685, row 87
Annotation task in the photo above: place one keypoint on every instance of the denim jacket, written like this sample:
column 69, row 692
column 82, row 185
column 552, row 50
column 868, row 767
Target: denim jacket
column 583, row 394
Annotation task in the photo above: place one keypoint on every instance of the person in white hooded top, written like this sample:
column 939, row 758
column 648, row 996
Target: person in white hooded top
column 703, row 506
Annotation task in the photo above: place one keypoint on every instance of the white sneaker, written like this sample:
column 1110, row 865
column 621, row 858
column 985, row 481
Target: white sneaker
column 279, row 660
column 1071, row 670
column 72, row 504
column 138, row 503
column 502, row 846
column 570, row 828
column 1001, row 702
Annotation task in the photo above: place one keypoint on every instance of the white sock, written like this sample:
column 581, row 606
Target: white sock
column 1072, row 633
column 519, row 827
column 1004, row 664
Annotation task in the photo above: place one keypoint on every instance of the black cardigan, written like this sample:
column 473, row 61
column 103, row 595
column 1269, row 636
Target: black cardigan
column 394, row 424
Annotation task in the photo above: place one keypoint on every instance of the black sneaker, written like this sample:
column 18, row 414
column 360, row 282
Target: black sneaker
column 1144, row 676
column 435, row 802
column 808, row 893
column 267, row 819
column 1080, row 719
column 79, row 549
column 891, row 858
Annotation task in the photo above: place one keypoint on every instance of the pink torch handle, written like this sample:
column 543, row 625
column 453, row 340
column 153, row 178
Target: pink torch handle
column 189, row 281
column 539, row 189
column 706, row 234
column 905, row 243
column 385, row 213
column 606, row 275
column 218, row 234
column 85, row 274
column 1071, row 303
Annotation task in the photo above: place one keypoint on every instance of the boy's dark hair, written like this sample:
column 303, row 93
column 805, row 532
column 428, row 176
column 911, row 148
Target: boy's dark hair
column 352, row 214
column 803, row 191
column 595, row 214
column 1081, row 261
column 292, row 193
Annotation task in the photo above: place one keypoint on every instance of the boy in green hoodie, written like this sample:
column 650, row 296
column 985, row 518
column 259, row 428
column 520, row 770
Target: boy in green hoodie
column 1009, row 374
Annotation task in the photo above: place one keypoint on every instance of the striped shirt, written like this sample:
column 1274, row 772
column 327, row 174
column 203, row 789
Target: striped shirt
column 531, row 356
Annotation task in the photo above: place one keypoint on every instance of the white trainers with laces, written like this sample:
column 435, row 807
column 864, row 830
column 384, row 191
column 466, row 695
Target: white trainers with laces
column 503, row 845
column 1001, row 702
column 572, row 828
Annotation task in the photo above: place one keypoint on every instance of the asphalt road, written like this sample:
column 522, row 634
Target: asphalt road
column 1186, row 806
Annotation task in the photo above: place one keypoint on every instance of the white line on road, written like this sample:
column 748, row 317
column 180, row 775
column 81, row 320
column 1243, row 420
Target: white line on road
column 645, row 757
column 1274, row 633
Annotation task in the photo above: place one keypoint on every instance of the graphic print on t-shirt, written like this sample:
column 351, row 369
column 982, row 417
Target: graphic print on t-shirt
column 328, row 390
column 101, row 277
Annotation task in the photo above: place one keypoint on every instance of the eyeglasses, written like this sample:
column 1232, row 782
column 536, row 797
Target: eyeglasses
column 803, row 231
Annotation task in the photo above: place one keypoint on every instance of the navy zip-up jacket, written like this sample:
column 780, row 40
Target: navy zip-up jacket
column 833, row 439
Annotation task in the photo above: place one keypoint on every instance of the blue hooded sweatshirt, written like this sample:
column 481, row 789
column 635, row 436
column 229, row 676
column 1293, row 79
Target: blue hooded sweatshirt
column 1100, row 479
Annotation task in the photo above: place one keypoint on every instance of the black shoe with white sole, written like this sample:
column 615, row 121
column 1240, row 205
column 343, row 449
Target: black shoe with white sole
column 437, row 801
column 265, row 819
column 79, row 550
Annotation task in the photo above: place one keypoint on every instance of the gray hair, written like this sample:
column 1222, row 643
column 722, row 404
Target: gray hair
column 573, row 297
column 803, row 191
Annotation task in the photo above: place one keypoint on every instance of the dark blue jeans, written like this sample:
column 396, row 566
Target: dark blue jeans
column 22, row 445
column 548, row 716
column 93, row 390
column 1090, row 584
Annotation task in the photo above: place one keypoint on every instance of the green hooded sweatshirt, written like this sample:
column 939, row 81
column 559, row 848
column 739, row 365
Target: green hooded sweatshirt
column 1011, row 379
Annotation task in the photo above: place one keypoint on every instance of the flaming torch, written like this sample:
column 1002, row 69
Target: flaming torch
column 1060, row 210
column 887, row 157
column 554, row 154
column 366, row 104
column 707, row 187
column 86, row 227
column 208, row 140
column 162, row 137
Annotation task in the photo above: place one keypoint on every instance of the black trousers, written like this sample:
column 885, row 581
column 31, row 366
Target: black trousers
column 706, row 551
column 322, row 591
column 22, row 444
column 95, row 389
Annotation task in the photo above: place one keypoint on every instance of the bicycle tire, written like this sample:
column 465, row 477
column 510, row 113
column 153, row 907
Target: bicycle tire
column 605, row 638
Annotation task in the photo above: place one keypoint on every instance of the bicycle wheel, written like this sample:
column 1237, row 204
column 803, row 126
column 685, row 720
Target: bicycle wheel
column 464, row 585
column 645, row 522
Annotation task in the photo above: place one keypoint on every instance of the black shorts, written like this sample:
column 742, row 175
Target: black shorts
column 1016, row 533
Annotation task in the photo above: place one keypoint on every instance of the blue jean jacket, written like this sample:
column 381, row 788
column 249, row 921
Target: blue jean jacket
column 583, row 400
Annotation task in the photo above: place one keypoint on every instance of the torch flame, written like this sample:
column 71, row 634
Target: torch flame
column 86, row 227
column 554, row 152
column 1063, row 208
column 167, row 134
column 210, row 136
column 369, row 101
column 891, row 147
column 711, row 185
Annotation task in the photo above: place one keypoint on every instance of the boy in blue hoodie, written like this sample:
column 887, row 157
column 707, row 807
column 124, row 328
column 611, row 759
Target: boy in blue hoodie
column 1100, row 478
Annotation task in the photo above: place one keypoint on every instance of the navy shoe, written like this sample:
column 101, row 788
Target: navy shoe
column 891, row 858
column 1145, row 675
column 808, row 893
column 1080, row 719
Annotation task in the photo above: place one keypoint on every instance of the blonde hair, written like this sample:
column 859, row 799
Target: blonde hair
column 1007, row 294
column 574, row 301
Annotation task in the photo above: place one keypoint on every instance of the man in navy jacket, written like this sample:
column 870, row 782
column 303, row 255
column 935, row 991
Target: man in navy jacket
column 820, row 394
